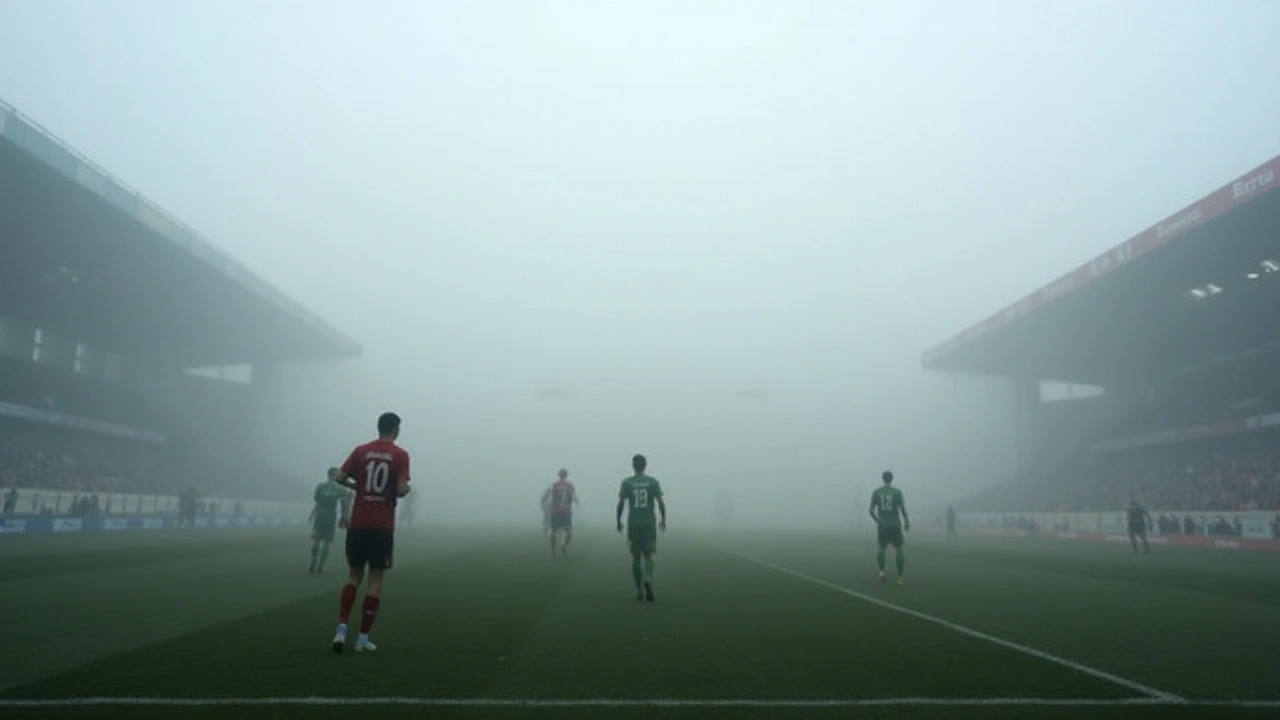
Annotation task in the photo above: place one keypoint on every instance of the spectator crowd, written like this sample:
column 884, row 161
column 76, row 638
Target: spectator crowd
column 33, row 457
column 1226, row 475
column 81, row 473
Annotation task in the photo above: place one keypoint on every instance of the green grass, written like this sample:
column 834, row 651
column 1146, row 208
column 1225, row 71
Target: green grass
column 475, row 613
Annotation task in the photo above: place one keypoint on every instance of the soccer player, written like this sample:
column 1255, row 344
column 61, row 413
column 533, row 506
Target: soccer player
column 329, row 498
column 1139, row 518
column 889, row 510
column 378, row 471
column 951, row 523
column 187, row 505
column 563, row 497
column 642, row 492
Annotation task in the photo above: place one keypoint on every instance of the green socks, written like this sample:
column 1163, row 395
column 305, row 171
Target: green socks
column 315, row 553
column 641, row 573
column 324, row 555
column 899, row 558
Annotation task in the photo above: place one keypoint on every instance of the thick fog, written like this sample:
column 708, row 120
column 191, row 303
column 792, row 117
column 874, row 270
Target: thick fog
column 719, row 233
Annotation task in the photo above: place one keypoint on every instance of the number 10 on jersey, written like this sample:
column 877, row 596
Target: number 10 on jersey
column 376, row 475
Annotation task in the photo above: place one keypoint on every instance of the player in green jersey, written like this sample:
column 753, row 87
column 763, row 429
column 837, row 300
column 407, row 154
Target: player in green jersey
column 641, row 493
column 330, row 498
column 889, row 510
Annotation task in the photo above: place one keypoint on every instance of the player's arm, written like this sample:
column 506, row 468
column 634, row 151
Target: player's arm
column 347, row 472
column 345, row 478
column 315, row 507
column 662, row 514
column 622, row 503
column 872, row 508
column 402, row 482
column 906, row 521
column 344, row 506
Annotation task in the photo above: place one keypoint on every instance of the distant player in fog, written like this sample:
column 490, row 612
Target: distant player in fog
column 188, row 502
column 889, row 510
column 951, row 523
column 1139, row 519
column 330, row 505
column 563, row 497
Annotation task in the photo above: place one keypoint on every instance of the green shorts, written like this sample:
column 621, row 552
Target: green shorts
column 889, row 535
column 324, row 528
column 643, row 538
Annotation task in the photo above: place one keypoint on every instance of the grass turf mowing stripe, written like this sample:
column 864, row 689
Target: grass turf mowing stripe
column 1027, row 650
column 480, row 702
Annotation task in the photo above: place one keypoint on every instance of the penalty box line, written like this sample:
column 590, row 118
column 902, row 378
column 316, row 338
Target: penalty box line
column 1150, row 692
column 744, row 703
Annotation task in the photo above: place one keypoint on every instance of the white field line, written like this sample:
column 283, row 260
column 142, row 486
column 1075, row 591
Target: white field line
column 1150, row 692
column 745, row 703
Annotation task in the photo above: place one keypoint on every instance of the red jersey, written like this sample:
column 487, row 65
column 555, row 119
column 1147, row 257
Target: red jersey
column 562, row 497
column 377, row 467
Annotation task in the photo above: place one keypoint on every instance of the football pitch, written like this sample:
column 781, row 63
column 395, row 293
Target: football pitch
column 481, row 623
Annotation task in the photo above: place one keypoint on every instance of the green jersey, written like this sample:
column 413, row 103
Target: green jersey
column 328, row 497
column 889, row 506
column 641, row 492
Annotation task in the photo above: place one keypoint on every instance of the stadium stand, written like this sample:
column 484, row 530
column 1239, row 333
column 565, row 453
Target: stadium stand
column 110, row 310
column 1147, row 372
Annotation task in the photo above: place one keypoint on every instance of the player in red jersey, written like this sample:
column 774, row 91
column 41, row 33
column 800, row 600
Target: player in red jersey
column 378, row 471
column 563, row 496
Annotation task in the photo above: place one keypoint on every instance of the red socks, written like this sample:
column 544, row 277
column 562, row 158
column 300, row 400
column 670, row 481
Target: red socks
column 370, row 613
column 348, row 601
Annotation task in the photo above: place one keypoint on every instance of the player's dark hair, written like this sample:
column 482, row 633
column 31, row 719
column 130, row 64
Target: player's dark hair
column 887, row 476
column 388, row 424
column 638, row 463
column 563, row 473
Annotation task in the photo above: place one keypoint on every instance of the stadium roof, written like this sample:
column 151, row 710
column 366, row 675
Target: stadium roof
column 1202, row 282
column 85, row 254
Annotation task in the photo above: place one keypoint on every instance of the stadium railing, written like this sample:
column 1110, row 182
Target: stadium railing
column 1255, row 525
